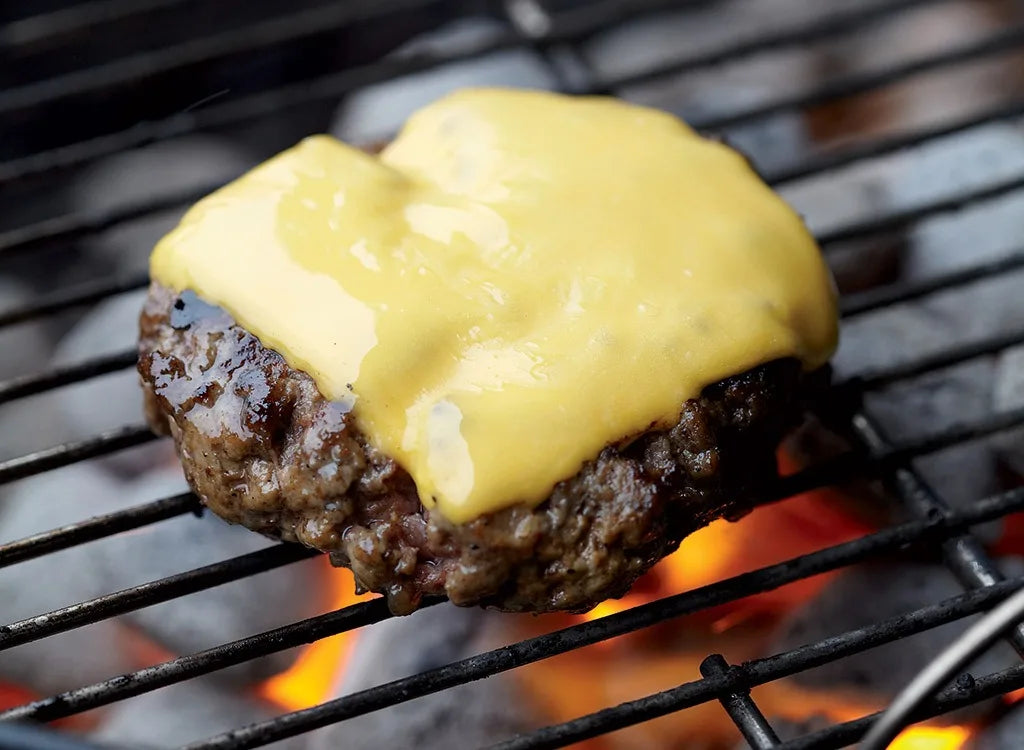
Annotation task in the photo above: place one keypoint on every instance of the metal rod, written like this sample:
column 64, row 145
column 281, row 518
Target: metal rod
column 212, row 659
column 295, row 26
column 73, row 452
column 901, row 219
column 741, row 708
column 148, row 594
column 28, row 385
column 587, row 633
column 95, row 528
column 861, row 83
column 751, row 674
column 978, row 638
column 689, row 694
column 569, row 27
column 898, row 293
column 65, row 299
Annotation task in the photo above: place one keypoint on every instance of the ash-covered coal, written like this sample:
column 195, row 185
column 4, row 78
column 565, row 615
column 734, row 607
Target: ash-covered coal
column 472, row 715
column 77, row 657
column 376, row 112
column 867, row 594
column 148, row 174
column 219, row 615
column 1005, row 733
column 179, row 714
column 109, row 401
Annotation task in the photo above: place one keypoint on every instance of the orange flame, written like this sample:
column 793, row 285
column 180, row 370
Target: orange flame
column 310, row 679
column 770, row 534
column 931, row 738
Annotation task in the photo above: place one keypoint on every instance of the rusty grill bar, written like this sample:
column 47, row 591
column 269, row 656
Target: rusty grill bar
column 556, row 36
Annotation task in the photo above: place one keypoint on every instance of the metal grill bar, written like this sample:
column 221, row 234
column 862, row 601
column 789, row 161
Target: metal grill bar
column 98, row 527
column 964, row 555
column 293, row 27
column 730, row 685
column 874, row 379
column 952, row 698
column 147, row 594
column 852, row 85
column 919, row 532
column 741, row 709
column 82, row 294
column 756, row 672
column 689, row 694
column 220, row 657
column 34, row 29
column 902, row 219
column 567, row 28
column 69, row 453
column 891, row 144
column 26, row 385
column 73, row 226
column 885, row 296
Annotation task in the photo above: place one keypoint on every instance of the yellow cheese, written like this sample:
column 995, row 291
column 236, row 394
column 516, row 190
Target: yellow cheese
column 517, row 281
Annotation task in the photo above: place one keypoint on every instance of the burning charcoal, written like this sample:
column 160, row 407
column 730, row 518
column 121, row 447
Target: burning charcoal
column 77, row 657
column 176, row 715
column 866, row 594
column 1009, row 395
column 148, row 174
column 473, row 715
column 108, row 401
column 218, row 615
column 1004, row 734
column 377, row 112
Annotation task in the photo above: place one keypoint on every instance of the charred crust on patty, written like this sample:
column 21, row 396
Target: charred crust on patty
column 263, row 448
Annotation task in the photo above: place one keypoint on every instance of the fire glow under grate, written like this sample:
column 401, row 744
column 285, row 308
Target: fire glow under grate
column 557, row 35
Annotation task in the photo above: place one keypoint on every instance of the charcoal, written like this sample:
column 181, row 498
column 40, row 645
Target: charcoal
column 946, row 94
column 638, row 45
column 944, row 398
column 1004, row 734
column 77, row 657
column 769, row 142
column 473, row 715
column 150, row 174
column 109, row 401
column 221, row 614
column 176, row 715
column 866, row 594
column 378, row 111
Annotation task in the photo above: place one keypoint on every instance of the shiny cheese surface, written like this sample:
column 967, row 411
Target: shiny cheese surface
column 517, row 281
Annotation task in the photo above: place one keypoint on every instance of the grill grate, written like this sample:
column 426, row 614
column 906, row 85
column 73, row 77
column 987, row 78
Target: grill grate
column 556, row 36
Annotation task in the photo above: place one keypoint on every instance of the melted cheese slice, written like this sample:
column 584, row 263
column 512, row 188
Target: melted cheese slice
column 517, row 281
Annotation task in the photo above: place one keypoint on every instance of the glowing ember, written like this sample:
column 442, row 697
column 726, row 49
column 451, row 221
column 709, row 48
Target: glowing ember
column 804, row 523
column 309, row 681
column 931, row 738
column 12, row 695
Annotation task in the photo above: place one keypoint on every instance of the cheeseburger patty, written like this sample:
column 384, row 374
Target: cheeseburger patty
column 262, row 447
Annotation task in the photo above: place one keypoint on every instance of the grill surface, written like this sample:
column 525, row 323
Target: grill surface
column 556, row 34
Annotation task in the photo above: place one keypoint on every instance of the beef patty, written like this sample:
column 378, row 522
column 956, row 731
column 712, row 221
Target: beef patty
column 262, row 447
